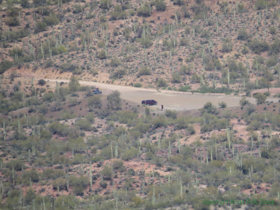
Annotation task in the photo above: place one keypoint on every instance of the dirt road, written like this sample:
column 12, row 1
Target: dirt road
column 169, row 99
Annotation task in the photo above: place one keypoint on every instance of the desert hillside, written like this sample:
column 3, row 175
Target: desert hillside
column 214, row 65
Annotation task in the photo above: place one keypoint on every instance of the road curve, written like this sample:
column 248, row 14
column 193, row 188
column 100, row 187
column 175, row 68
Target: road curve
column 169, row 99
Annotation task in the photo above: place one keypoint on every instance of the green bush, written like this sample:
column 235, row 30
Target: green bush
column 137, row 85
column 161, row 83
column 242, row 34
column 48, row 97
column 77, row 8
column 227, row 45
column 51, row 20
column 184, row 88
column 74, row 84
column 258, row 46
column 105, row 4
column 260, row 4
column 17, row 164
column 107, row 173
column 95, row 102
column 144, row 71
column 84, row 124
column 118, row 74
column 159, row 122
column 171, row 113
column 12, row 21
column 40, row 26
column 144, row 11
column 102, row 55
column 223, row 105
column 27, row 175
column 79, row 184
column 261, row 98
column 5, row 65
column 114, row 100
column 61, row 183
column 129, row 154
column 160, row 5
column 275, row 47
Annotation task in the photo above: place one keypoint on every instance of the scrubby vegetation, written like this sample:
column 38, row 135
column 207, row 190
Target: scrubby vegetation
column 64, row 148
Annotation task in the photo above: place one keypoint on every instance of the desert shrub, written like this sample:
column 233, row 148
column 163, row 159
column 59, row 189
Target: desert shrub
column 144, row 11
column 205, row 34
column 114, row 100
column 159, row 122
column 58, row 128
column 29, row 196
column 223, row 105
column 24, row 4
column 261, row 98
column 271, row 62
column 12, row 21
column 51, row 173
column 227, row 45
column 51, row 20
column 161, row 83
column 27, row 175
column 137, row 85
column 126, row 116
column 49, row 97
column 160, row 5
column 77, row 8
column 105, row 4
column 101, row 55
column 185, row 12
column 90, row 117
column 101, row 44
column 95, row 102
column 244, row 50
column 242, row 34
column 209, row 108
column 213, row 123
column 118, row 74
column 260, row 4
column 40, row 26
column 84, row 124
column 171, row 113
column 118, row 165
column 129, row 154
column 176, row 78
column 17, row 164
column 200, row 10
column 66, row 200
column 275, row 47
column 74, row 84
column 48, row 63
column 147, row 42
column 144, row 71
column 78, row 184
column 272, row 30
column 243, row 101
column 5, row 65
column 59, row 182
column 107, row 173
column 258, row 46
column 249, row 108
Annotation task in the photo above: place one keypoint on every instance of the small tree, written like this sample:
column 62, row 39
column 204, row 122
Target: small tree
column 223, row 105
column 160, row 5
column 74, row 84
column 114, row 100
column 261, row 98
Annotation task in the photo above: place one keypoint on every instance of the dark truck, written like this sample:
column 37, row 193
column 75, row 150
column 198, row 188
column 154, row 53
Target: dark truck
column 97, row 91
column 149, row 102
